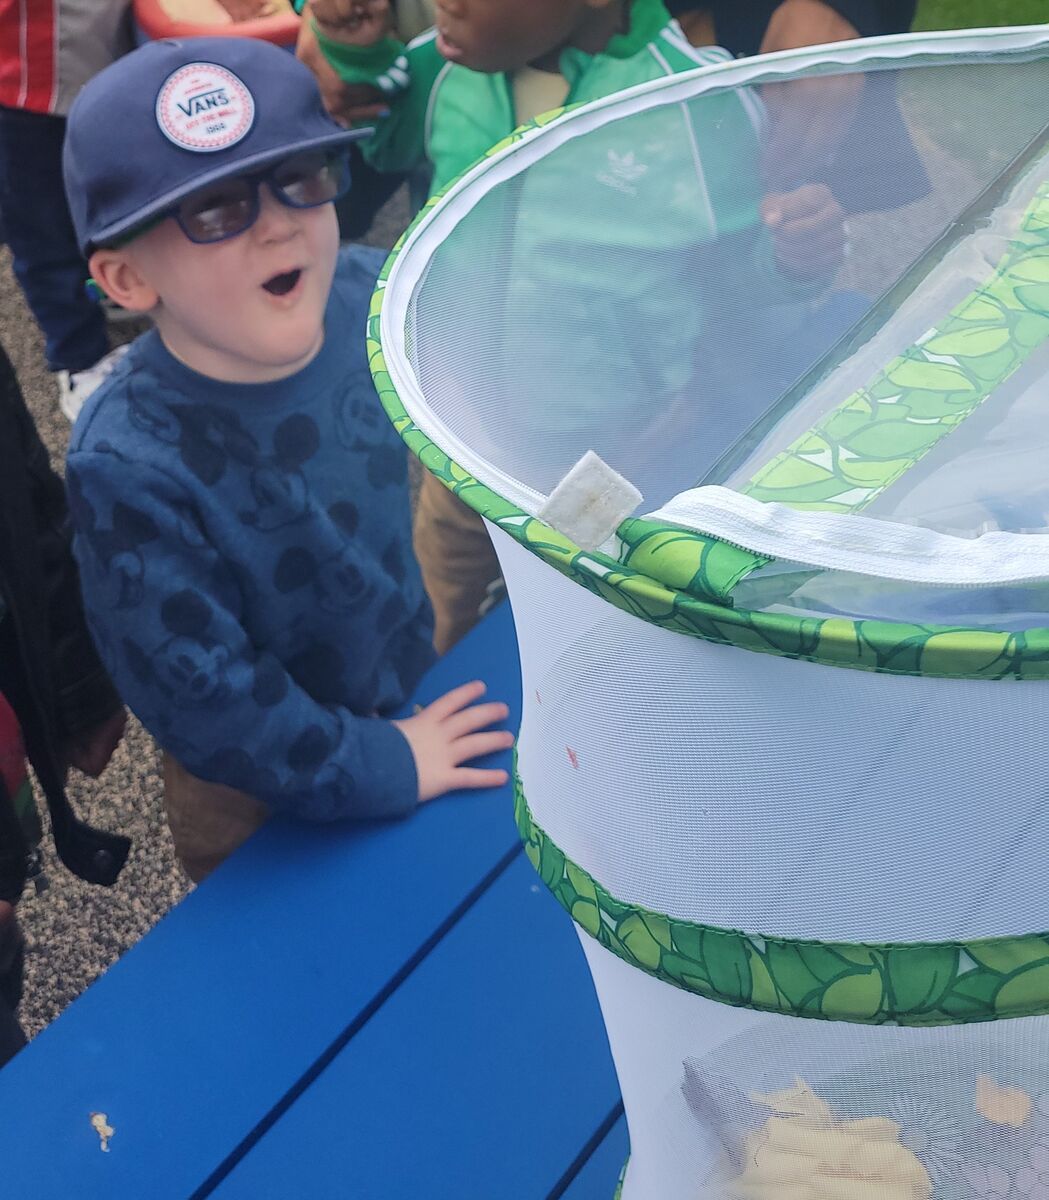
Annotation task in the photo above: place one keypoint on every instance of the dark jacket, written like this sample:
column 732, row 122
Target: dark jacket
column 49, row 671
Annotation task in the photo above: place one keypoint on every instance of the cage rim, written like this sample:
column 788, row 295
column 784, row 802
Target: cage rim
column 933, row 650
column 918, row 984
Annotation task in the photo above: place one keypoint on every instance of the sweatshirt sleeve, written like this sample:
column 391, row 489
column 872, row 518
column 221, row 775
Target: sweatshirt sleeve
column 167, row 614
column 400, row 140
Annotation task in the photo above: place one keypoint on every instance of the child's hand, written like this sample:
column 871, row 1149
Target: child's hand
column 808, row 230
column 355, row 22
column 447, row 733
column 346, row 102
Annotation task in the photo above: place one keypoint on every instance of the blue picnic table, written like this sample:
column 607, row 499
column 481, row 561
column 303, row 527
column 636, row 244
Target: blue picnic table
column 394, row 1011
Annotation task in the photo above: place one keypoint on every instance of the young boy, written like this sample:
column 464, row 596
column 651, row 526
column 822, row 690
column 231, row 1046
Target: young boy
column 489, row 66
column 240, row 499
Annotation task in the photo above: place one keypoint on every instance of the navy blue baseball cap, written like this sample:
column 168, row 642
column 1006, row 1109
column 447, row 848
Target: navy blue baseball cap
column 175, row 115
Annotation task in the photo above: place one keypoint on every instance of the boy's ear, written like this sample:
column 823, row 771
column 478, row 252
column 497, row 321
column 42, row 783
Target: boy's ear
column 118, row 275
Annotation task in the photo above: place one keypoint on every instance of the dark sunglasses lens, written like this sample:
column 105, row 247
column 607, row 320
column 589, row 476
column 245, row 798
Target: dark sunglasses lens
column 311, row 179
column 218, row 212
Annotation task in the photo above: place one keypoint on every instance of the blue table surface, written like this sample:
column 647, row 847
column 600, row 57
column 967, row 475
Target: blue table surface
column 341, row 1011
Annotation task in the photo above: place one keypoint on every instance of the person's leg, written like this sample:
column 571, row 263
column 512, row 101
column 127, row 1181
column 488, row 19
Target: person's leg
column 456, row 558
column 47, row 262
column 12, row 959
column 370, row 191
column 207, row 820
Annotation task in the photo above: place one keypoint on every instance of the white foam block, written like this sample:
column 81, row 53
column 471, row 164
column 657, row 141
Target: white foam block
column 589, row 503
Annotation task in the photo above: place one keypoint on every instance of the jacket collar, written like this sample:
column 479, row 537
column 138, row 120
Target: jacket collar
column 647, row 19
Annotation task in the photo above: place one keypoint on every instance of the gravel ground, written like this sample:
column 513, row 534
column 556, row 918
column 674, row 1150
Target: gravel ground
column 74, row 931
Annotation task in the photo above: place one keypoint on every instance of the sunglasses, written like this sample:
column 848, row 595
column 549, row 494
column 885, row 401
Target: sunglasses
column 227, row 208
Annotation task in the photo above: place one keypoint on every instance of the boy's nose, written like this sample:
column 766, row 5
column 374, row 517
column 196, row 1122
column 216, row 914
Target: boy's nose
column 276, row 221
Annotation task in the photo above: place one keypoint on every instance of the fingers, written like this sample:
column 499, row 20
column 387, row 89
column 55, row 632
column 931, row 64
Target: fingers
column 332, row 12
column 356, row 113
column 351, row 21
column 477, row 777
column 477, row 716
column 458, row 698
column 476, row 744
column 807, row 207
column 349, row 13
column 808, row 226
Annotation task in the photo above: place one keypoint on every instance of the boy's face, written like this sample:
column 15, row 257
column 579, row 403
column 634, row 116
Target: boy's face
column 494, row 36
column 251, row 308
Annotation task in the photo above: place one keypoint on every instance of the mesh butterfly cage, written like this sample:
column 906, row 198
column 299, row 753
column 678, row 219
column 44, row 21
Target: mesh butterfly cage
column 770, row 493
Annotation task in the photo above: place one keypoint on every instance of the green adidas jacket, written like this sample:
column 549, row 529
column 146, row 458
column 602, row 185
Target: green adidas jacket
column 450, row 116
column 600, row 284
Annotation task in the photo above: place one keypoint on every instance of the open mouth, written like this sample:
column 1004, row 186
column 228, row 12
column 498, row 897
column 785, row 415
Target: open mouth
column 281, row 285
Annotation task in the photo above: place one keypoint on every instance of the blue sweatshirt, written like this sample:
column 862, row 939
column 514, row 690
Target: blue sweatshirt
column 246, row 562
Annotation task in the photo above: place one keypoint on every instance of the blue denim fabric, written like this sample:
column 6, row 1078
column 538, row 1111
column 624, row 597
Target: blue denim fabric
column 47, row 263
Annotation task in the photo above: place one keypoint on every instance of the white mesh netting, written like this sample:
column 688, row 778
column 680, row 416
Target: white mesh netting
column 759, row 793
column 959, row 1113
column 630, row 280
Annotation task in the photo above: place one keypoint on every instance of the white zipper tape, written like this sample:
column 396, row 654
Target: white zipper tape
column 860, row 545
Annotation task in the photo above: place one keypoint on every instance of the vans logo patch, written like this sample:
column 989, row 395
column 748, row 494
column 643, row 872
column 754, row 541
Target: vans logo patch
column 204, row 107
column 216, row 98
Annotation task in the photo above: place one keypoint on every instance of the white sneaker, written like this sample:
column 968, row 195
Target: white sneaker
column 74, row 387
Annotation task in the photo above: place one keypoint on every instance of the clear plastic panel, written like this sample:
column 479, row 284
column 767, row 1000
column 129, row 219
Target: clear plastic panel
column 689, row 287
column 653, row 285
column 944, row 381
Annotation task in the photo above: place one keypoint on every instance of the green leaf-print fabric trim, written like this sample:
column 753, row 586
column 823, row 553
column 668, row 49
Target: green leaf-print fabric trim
column 686, row 560
column 950, row 651
column 857, row 451
column 923, row 983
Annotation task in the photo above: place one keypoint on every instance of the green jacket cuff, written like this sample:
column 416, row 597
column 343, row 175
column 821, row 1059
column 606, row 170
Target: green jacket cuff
column 384, row 65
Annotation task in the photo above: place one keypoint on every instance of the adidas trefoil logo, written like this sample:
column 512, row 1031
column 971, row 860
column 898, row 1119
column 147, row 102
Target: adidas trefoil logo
column 623, row 172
